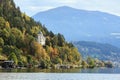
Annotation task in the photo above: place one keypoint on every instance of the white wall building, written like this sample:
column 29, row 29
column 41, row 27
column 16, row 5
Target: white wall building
column 41, row 39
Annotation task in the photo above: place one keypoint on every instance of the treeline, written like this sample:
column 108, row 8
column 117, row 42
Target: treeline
column 18, row 41
column 94, row 62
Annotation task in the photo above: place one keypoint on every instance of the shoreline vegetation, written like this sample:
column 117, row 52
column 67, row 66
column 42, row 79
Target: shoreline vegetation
column 89, row 64
column 20, row 48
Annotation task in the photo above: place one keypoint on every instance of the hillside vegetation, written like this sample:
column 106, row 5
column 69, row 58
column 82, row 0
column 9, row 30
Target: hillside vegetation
column 105, row 52
column 18, row 40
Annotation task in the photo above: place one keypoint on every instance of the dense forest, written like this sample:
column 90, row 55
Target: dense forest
column 18, row 40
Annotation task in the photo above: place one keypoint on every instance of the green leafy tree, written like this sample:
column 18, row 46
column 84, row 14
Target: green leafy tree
column 5, row 35
column 48, row 41
column 1, row 42
column 91, row 62
column 51, row 34
column 12, row 40
column 13, row 57
column 2, row 23
column 54, row 41
column 61, row 40
column 29, row 59
column 44, row 64
column 84, row 64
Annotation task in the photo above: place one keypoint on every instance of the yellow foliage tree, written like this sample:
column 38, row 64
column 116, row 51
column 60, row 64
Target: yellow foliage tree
column 39, row 51
column 7, row 24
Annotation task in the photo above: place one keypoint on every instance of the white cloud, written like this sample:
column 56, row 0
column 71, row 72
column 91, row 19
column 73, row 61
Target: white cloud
column 39, row 8
column 67, row 1
column 32, row 6
column 115, row 34
column 118, row 37
column 110, row 6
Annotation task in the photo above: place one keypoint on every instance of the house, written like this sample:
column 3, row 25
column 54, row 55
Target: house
column 7, row 64
column 41, row 39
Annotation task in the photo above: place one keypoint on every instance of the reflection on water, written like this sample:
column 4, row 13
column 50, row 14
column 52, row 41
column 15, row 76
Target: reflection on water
column 95, row 70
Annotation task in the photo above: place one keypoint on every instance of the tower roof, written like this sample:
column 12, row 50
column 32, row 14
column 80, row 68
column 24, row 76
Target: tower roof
column 40, row 32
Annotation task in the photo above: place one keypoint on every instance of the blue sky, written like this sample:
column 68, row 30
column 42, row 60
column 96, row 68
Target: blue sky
column 31, row 7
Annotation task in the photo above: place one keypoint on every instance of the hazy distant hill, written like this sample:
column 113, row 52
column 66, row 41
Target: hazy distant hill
column 98, row 50
column 78, row 25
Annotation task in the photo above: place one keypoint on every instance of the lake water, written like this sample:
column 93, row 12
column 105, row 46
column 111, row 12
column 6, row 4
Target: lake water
column 63, row 74
column 58, row 76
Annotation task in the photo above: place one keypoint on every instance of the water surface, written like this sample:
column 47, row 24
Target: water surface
column 58, row 76
column 61, row 74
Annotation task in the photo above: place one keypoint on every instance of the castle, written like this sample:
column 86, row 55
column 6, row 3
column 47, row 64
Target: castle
column 41, row 39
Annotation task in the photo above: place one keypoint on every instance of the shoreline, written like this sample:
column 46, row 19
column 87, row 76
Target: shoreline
column 73, row 70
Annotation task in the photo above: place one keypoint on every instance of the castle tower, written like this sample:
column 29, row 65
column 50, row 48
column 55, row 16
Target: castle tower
column 41, row 39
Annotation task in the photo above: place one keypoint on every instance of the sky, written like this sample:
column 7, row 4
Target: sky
column 31, row 7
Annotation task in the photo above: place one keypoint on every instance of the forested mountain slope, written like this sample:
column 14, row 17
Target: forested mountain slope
column 18, row 40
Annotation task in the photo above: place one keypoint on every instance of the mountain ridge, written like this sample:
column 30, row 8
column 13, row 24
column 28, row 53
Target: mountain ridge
column 98, row 50
column 82, row 24
column 68, row 7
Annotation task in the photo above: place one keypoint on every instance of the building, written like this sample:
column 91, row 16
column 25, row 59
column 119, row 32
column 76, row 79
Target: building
column 41, row 39
column 7, row 64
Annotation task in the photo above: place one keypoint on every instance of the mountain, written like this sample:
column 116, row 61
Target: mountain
column 82, row 25
column 98, row 50
column 21, row 39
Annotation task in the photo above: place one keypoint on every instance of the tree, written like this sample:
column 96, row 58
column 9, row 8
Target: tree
column 109, row 64
column 70, row 58
column 12, row 39
column 70, row 45
column 39, row 51
column 2, row 23
column 45, row 63
column 35, row 30
column 48, row 43
column 61, row 40
column 91, row 62
column 56, row 60
column 24, row 60
column 3, row 57
column 49, row 50
column 4, row 34
column 13, row 57
column 1, row 41
column 7, row 24
column 54, row 41
column 75, row 54
column 84, row 64
column 45, row 31
column 29, row 59
column 16, row 32
column 51, row 34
